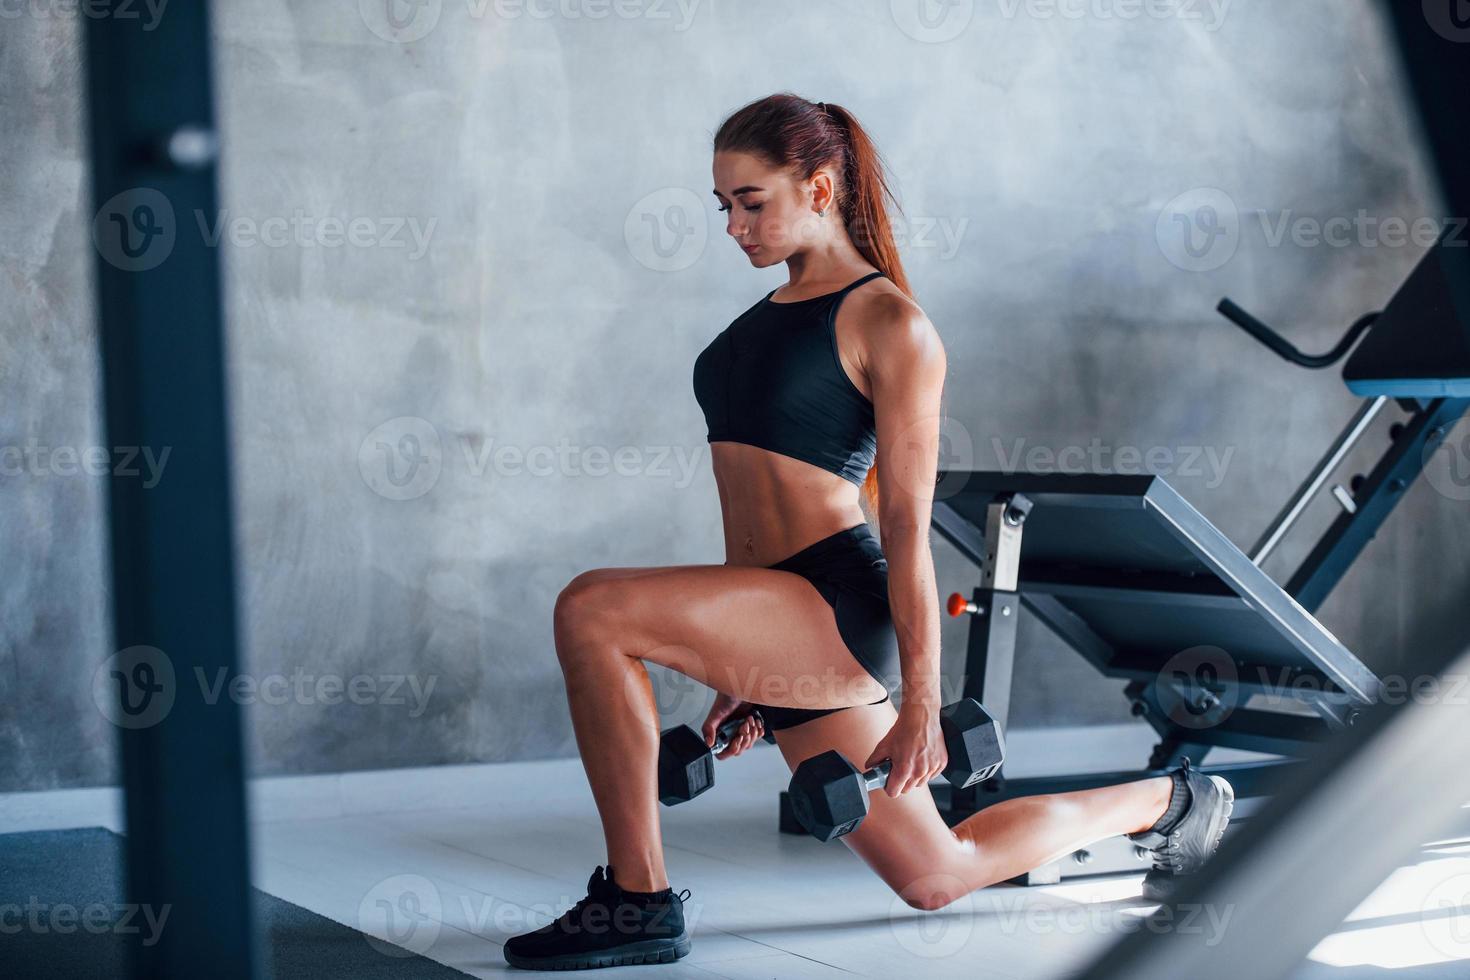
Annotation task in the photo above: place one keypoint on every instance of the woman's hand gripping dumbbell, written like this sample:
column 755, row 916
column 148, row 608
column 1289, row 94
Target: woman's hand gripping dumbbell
column 686, row 766
column 829, row 795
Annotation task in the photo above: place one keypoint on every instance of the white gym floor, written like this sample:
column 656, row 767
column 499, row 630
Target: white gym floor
column 464, row 856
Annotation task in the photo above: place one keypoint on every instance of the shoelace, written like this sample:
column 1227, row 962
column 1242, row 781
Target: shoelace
column 567, row 916
column 593, row 896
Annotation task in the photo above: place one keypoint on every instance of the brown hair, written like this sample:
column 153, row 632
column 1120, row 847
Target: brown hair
column 801, row 136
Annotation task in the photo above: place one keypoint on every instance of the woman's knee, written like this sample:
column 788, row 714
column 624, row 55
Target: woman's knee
column 582, row 616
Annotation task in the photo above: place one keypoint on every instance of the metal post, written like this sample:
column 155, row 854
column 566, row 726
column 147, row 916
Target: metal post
column 1314, row 483
column 159, row 323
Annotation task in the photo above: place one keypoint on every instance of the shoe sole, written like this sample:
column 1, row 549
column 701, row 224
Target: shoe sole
column 651, row 951
column 1227, row 798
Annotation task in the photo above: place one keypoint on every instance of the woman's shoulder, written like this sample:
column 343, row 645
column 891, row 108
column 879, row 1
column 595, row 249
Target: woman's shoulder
column 880, row 310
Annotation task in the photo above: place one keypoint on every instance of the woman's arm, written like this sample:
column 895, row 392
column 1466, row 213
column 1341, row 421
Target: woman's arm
column 906, row 367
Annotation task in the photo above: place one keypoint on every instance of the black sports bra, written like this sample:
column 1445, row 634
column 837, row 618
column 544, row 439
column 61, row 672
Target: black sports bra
column 772, row 379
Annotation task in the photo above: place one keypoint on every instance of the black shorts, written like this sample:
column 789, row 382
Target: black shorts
column 849, row 570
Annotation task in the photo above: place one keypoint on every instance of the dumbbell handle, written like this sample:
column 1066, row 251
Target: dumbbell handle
column 727, row 731
column 877, row 777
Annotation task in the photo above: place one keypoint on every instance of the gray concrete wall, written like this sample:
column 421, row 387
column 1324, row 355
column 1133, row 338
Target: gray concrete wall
column 528, row 259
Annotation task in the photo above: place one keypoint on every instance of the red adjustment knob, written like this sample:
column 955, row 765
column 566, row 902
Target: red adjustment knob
column 957, row 604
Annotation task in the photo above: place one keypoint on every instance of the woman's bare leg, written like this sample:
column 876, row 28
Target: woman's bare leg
column 756, row 633
column 930, row 864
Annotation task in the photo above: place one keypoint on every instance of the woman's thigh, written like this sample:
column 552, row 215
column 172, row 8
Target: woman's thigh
column 759, row 634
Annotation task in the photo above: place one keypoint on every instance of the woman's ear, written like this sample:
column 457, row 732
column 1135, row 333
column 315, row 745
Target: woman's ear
column 824, row 192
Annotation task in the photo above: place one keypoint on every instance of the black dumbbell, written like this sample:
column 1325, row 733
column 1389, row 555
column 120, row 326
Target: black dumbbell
column 686, row 766
column 829, row 796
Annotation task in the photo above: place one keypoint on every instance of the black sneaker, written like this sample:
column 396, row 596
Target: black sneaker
column 1185, row 847
column 605, row 929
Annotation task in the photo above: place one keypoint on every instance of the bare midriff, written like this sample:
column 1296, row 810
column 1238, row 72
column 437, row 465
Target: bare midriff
column 775, row 505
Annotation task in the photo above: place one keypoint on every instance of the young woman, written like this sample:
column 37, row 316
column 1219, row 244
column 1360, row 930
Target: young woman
column 827, row 388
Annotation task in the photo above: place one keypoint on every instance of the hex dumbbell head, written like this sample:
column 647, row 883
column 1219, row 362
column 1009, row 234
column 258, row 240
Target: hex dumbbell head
column 828, row 796
column 686, row 767
column 975, row 742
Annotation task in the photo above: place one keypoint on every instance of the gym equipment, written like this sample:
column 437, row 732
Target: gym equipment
column 829, row 796
column 1289, row 897
column 1134, row 579
column 686, row 766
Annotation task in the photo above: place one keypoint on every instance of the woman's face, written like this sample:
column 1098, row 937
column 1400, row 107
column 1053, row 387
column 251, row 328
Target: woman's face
column 770, row 214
